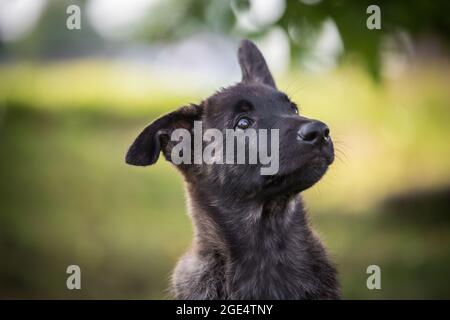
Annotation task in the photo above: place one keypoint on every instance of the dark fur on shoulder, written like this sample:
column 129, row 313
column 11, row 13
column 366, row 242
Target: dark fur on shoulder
column 252, row 239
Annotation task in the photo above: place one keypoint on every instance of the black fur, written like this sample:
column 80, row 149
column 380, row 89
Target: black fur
column 252, row 239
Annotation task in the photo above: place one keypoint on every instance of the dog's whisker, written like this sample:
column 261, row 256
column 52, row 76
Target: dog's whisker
column 295, row 87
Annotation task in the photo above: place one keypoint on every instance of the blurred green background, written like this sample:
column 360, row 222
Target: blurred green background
column 72, row 101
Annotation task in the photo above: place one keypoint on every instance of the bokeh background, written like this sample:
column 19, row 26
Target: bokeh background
column 71, row 102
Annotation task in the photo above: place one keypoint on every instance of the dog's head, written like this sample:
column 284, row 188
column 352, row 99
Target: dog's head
column 305, row 146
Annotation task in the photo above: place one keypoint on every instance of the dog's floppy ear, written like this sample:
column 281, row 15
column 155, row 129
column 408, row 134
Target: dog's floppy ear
column 146, row 148
column 254, row 67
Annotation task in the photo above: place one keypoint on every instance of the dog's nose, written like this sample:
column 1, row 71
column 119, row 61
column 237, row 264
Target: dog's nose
column 314, row 132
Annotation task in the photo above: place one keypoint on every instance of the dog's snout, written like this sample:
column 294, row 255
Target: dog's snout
column 314, row 132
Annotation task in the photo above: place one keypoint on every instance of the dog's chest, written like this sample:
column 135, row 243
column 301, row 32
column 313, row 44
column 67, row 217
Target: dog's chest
column 287, row 275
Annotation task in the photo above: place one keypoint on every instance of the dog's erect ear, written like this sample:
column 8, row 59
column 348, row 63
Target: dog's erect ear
column 146, row 148
column 254, row 67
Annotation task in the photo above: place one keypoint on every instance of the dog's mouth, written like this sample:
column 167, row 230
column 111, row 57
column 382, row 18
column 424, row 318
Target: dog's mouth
column 328, row 155
column 302, row 177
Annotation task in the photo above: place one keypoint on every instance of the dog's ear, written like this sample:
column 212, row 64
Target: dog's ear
column 154, row 138
column 254, row 67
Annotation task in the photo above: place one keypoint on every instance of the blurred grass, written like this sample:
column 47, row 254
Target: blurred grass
column 66, row 196
column 96, row 85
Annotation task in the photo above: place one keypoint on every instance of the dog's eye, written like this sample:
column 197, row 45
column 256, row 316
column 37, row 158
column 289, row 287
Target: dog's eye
column 294, row 108
column 243, row 123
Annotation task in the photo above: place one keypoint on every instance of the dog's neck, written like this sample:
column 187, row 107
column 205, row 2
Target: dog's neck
column 257, row 239
column 241, row 223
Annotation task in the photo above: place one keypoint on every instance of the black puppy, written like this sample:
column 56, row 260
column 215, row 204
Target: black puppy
column 252, row 239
